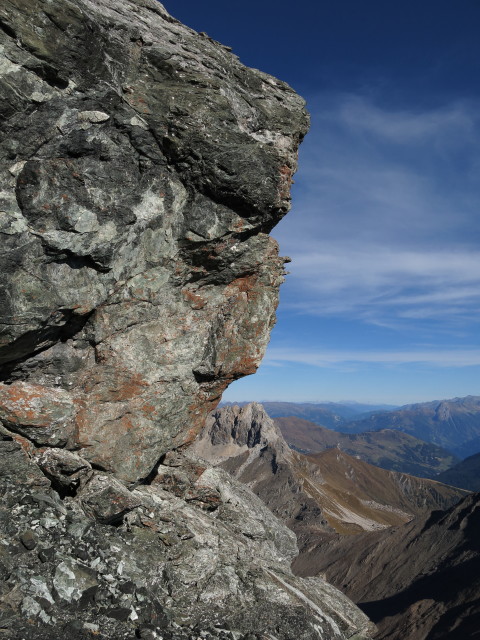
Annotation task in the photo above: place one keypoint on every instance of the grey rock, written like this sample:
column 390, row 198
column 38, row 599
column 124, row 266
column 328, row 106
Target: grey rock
column 137, row 191
column 169, row 563
column 28, row 539
column 71, row 580
column 46, row 555
column 17, row 471
column 107, row 499
column 141, row 170
column 65, row 468
column 43, row 415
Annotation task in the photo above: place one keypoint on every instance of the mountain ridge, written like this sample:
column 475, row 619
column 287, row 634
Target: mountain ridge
column 327, row 414
column 418, row 581
column 453, row 424
column 385, row 448
column 465, row 474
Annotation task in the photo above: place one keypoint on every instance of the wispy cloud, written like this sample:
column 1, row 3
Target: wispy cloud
column 340, row 278
column 446, row 123
column 327, row 358
column 387, row 221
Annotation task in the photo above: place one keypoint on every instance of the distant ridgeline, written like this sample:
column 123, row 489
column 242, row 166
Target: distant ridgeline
column 423, row 439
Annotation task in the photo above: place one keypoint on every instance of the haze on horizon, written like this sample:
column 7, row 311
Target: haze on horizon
column 382, row 303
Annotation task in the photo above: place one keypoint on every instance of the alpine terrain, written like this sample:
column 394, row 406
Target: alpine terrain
column 141, row 170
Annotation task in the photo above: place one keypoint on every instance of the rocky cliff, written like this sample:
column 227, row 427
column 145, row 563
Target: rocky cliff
column 141, row 169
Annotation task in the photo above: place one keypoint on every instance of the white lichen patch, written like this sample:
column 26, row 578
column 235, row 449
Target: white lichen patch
column 71, row 580
column 138, row 122
column 150, row 207
column 93, row 116
column 12, row 223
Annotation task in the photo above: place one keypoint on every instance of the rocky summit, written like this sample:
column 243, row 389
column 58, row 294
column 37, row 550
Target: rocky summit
column 141, row 170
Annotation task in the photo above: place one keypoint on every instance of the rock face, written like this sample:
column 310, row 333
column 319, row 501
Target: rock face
column 192, row 555
column 142, row 167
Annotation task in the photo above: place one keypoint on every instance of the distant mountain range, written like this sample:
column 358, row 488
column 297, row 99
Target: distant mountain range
column 332, row 415
column 386, row 448
column 452, row 424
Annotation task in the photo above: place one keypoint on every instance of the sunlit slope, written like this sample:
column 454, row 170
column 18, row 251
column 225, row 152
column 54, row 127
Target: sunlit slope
column 387, row 448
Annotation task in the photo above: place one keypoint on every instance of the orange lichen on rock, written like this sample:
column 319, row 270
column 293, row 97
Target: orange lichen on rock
column 285, row 181
column 34, row 405
column 196, row 301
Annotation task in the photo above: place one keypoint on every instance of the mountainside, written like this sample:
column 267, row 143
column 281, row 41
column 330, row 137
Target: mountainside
column 245, row 442
column 392, row 497
column 141, row 170
column 452, row 424
column 386, row 448
column 465, row 474
column 419, row 581
column 309, row 492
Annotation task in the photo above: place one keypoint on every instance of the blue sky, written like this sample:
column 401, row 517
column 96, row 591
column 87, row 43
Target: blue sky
column 382, row 302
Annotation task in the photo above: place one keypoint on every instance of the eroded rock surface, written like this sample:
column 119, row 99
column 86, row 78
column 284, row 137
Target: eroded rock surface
column 141, row 169
column 192, row 555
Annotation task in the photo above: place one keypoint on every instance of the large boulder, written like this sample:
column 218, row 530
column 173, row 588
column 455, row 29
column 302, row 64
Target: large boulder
column 141, row 169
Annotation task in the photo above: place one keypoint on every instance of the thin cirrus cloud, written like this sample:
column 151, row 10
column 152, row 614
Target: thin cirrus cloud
column 406, row 126
column 343, row 277
column 386, row 220
column 328, row 358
